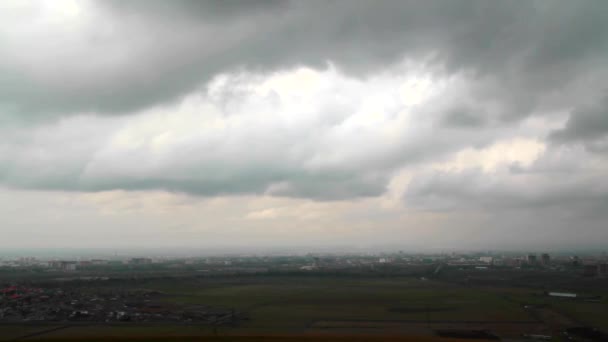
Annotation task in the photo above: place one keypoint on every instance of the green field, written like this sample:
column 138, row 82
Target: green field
column 320, row 305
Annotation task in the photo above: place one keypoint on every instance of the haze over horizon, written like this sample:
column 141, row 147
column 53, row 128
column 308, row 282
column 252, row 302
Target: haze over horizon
column 273, row 124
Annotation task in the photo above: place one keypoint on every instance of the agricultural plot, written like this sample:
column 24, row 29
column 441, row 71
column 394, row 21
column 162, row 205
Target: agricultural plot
column 339, row 305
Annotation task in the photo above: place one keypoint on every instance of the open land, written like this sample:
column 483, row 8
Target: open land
column 502, row 303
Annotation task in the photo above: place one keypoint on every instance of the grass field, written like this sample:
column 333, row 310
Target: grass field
column 267, row 338
column 322, row 305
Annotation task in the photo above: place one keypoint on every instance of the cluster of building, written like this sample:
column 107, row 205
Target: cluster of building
column 596, row 270
column 69, row 265
column 21, row 303
column 591, row 266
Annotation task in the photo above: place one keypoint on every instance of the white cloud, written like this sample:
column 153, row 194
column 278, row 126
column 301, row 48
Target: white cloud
column 329, row 136
column 517, row 151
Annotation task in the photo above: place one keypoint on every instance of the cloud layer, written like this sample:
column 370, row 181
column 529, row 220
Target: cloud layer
column 414, row 108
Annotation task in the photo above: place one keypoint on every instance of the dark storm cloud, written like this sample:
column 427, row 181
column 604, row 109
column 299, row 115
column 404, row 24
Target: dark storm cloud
column 585, row 124
column 522, row 50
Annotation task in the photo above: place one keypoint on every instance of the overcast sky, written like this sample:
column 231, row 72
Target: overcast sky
column 436, row 124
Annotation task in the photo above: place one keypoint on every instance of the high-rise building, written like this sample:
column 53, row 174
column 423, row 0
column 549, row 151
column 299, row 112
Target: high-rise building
column 531, row 259
column 545, row 259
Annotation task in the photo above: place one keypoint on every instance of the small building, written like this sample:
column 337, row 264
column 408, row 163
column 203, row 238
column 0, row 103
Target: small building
column 66, row 266
column 308, row 268
column 140, row 261
column 575, row 260
column 562, row 294
column 590, row 270
column 98, row 262
column 487, row 259
column 70, row 267
column 511, row 262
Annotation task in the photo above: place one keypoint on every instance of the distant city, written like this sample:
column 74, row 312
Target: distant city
column 588, row 265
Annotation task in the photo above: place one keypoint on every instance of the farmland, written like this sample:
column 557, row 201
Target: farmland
column 309, row 304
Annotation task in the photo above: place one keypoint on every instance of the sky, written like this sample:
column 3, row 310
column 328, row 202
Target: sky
column 295, row 124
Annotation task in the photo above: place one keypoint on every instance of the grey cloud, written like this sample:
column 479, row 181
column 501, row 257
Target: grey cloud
column 523, row 50
column 202, row 180
column 193, row 9
column 473, row 189
column 170, row 95
column 585, row 124
column 266, row 145
column 564, row 179
column 519, row 58
column 324, row 188
column 464, row 118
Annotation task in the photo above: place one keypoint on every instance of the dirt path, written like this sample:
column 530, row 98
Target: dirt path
column 41, row 332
